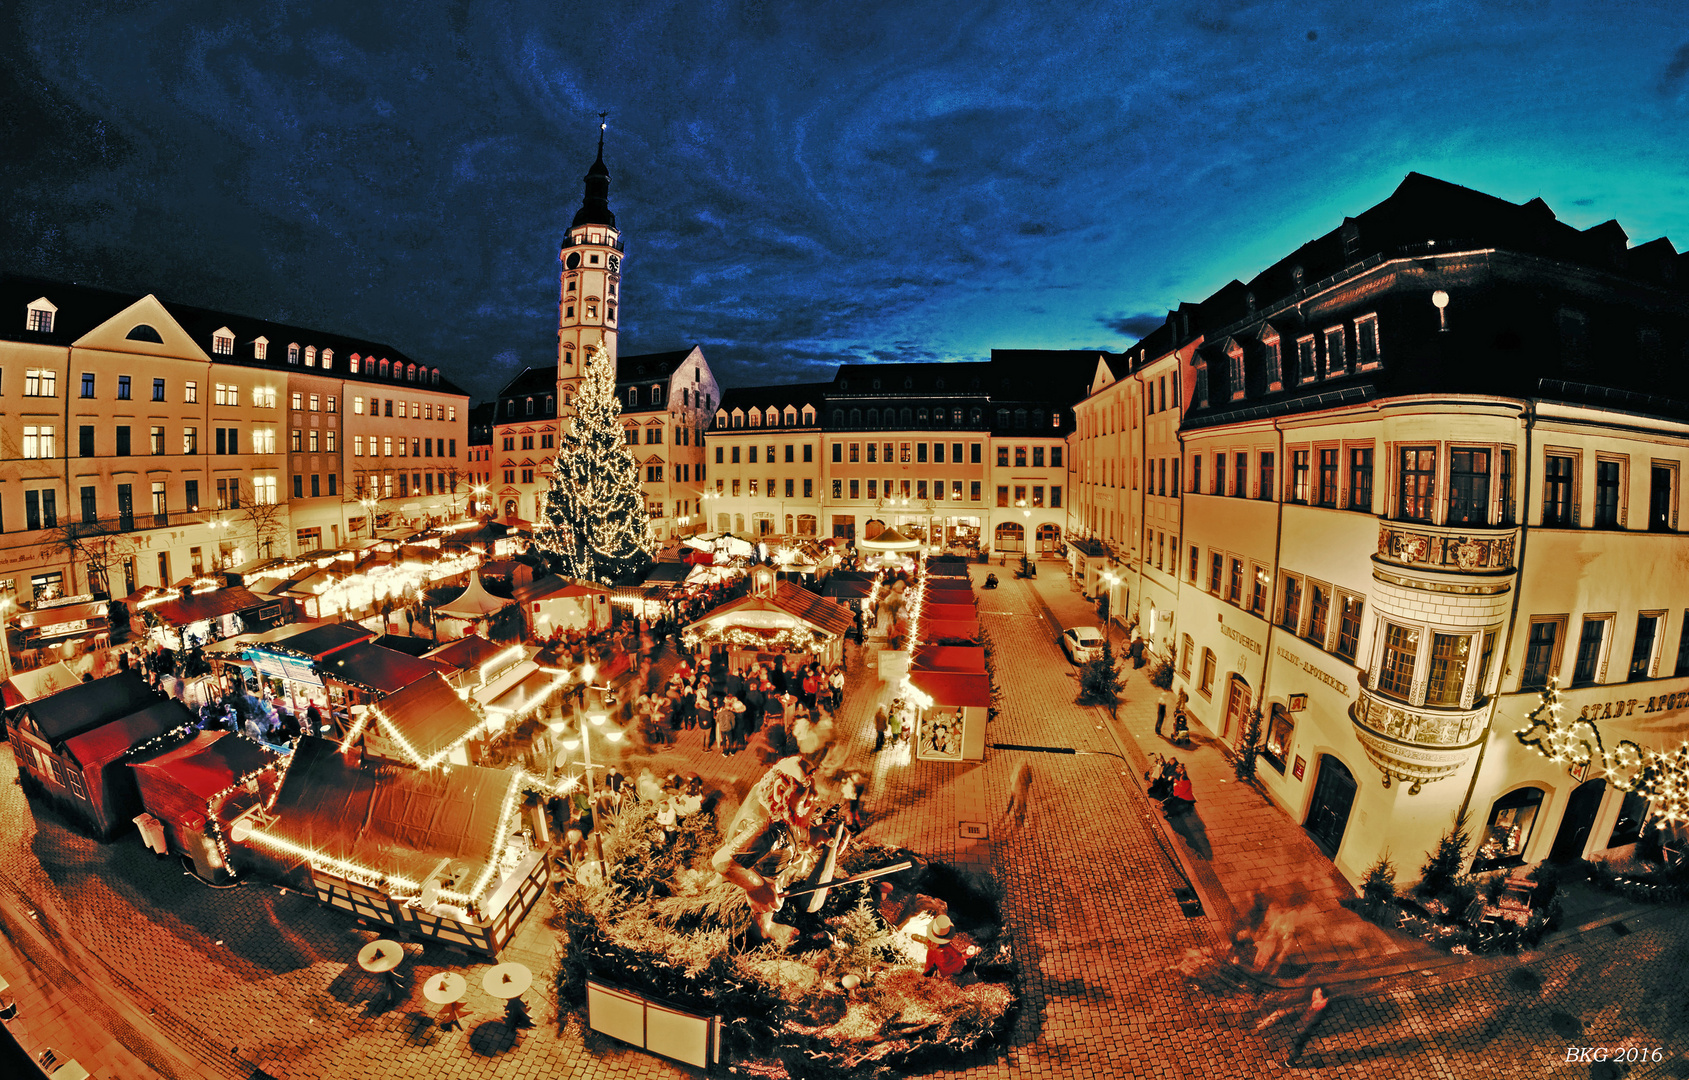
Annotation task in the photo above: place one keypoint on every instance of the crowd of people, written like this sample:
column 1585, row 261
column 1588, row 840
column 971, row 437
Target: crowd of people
column 729, row 706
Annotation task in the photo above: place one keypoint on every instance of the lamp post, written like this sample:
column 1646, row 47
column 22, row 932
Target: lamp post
column 6, row 606
column 584, row 743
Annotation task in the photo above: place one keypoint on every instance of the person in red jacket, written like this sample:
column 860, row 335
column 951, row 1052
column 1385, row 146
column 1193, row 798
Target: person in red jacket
column 944, row 959
column 1184, row 796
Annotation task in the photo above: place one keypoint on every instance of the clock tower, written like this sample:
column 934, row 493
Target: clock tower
column 592, row 272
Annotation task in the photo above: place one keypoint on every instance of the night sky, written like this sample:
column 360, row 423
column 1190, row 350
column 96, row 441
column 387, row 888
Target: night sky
column 798, row 184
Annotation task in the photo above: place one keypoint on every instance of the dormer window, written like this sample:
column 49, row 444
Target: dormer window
column 223, row 342
column 1234, row 353
column 721, row 419
column 808, row 417
column 791, row 416
column 528, row 408
column 353, row 362
column 410, row 372
column 293, row 352
column 1272, row 359
column 328, row 359
column 550, row 401
column 40, row 317
column 436, row 377
column 773, row 417
column 756, row 418
column 656, row 395
column 383, row 369
column 633, row 395
column 310, row 356
column 261, row 348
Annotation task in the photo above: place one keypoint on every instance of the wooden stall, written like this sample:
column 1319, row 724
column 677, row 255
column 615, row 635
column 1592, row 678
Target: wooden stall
column 434, row 852
column 197, row 788
column 555, row 603
column 774, row 619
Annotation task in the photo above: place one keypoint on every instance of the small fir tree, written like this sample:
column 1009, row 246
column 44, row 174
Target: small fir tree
column 1099, row 679
column 1249, row 745
column 595, row 525
column 1442, row 869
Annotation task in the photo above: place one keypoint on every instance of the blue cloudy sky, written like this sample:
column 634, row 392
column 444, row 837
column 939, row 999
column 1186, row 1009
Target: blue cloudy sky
column 798, row 184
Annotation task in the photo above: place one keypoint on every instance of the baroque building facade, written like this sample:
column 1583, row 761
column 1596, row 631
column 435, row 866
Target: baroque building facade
column 1426, row 464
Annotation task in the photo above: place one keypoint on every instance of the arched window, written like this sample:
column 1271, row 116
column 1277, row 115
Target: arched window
column 293, row 353
column 633, row 395
column 921, row 416
column 856, row 418
column 978, row 417
column 510, row 407
column 143, row 332
column 1511, row 823
column 956, row 417
column 838, row 418
column 550, row 403
column 1002, row 418
column 528, row 407
column 383, row 368
column 905, row 417
column 310, row 356
column 1011, row 537
column 873, row 418
column 352, row 361
column 328, row 359
column 656, row 395
column 1037, row 418
column 1055, row 418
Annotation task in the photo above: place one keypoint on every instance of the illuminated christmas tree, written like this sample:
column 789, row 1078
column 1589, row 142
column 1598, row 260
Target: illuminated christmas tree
column 595, row 526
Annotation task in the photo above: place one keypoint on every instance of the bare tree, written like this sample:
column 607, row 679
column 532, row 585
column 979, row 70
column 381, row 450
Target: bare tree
column 266, row 520
column 97, row 546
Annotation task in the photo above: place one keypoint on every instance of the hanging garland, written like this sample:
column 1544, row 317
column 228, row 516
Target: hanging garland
column 794, row 639
column 1660, row 776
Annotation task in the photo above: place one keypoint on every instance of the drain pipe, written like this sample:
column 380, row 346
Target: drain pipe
column 1278, row 540
column 1523, row 503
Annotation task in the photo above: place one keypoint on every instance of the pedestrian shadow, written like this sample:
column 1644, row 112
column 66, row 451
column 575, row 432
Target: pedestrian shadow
column 1189, row 826
column 420, row 1029
column 492, row 1038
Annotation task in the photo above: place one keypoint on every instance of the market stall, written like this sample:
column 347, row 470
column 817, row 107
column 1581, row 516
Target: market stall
column 951, row 706
column 206, row 612
column 426, row 724
column 39, row 730
column 367, row 671
column 555, row 603
column 435, row 853
column 55, row 629
column 286, row 663
column 27, row 686
column 470, row 611
column 472, row 659
column 774, row 619
column 196, row 789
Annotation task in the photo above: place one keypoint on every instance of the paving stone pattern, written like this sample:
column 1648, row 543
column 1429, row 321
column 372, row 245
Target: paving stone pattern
column 248, row 977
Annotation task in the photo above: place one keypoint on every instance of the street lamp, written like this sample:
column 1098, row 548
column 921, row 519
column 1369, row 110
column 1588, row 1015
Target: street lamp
column 583, row 742
column 6, row 606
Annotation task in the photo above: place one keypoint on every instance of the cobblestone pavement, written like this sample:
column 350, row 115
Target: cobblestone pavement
column 250, row 977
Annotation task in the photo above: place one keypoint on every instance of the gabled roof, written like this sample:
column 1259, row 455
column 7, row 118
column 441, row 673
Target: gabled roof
column 88, row 705
column 211, row 605
column 530, row 380
column 466, row 652
column 827, row 616
column 117, row 737
column 797, row 395
column 553, row 587
column 383, row 671
column 647, row 367
column 428, row 717
column 209, row 762
column 322, row 640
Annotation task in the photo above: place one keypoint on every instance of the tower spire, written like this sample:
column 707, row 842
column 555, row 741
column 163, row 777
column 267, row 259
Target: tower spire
column 595, row 207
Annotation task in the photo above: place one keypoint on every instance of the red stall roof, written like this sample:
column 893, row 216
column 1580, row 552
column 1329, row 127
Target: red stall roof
column 109, row 741
column 176, row 784
column 427, row 715
column 964, row 658
column 949, row 629
column 382, row 671
column 953, row 688
column 88, row 705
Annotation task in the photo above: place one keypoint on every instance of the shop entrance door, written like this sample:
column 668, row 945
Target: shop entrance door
column 1334, row 794
column 1237, row 708
column 1577, row 821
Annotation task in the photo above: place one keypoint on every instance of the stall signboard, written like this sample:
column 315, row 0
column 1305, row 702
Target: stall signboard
column 286, row 668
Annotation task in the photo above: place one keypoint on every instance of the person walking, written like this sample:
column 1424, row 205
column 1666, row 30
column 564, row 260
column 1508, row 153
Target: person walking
column 1161, row 709
column 724, row 719
column 880, row 724
column 851, row 792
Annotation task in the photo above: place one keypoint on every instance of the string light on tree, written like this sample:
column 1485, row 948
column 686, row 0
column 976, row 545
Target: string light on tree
column 595, row 526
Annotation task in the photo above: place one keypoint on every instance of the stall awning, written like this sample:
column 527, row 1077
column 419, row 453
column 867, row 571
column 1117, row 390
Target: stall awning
column 208, row 605
column 963, row 658
column 949, row 630
column 382, row 822
column 941, row 612
column 318, row 640
column 466, row 653
column 44, row 619
column 475, row 602
column 953, row 688
column 370, row 667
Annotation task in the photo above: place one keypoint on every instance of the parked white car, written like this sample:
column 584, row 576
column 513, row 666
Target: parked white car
column 1082, row 643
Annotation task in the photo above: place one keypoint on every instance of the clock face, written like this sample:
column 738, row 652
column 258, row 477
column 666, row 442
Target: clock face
column 573, row 260
column 615, row 264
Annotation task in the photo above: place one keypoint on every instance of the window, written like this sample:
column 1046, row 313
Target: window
column 1448, row 669
column 1299, row 476
column 1360, row 478
column 85, row 440
column 1682, row 667
column 263, row 490
column 1591, row 649
column 43, row 382
column 1196, row 562
column 90, row 507
column 1307, row 367
column 1542, row 653
column 190, row 392
column 1260, row 587
column 1002, row 457
column 1642, row 652
column 122, row 388
column 1234, row 585
column 1469, row 487
column 1348, row 626
column 1366, row 343
column 1002, row 495
column 1336, row 363
column 41, row 317
column 808, row 453
column 1186, row 648
column 1267, row 490
column 38, row 440
column 1508, row 830
column 1196, row 473
column 1216, row 572
column 158, row 389
column 358, row 445
column 1205, row 682
column 87, row 384
column 1559, row 501
column 1055, row 458
column 1319, row 612
column 973, row 453
column 1609, row 504
column 1395, row 669
column 1485, row 656
column 1291, row 609
column 1219, row 474
column 1280, row 729
column 294, row 443
column 1328, row 476
column 974, row 491
column 1418, row 482
column 155, row 439
column 1273, row 359
column 1662, row 484
column 122, row 441
column 1038, row 462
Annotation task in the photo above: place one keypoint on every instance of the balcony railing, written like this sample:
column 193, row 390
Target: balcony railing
column 1461, row 549
column 1416, row 743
